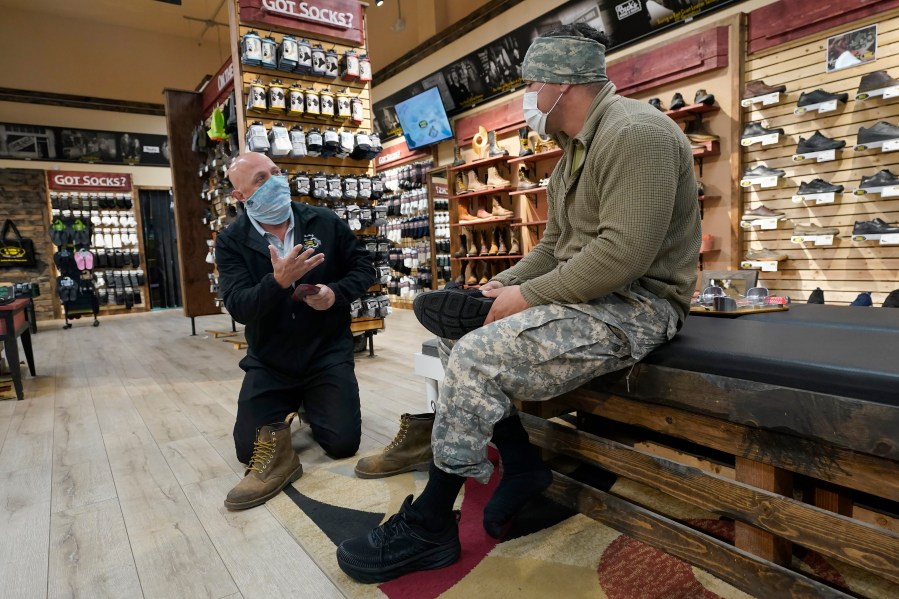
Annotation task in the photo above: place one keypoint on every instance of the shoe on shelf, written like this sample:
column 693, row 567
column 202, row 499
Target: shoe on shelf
column 762, row 212
column 677, row 102
column 892, row 300
column 876, row 80
column 470, row 279
column 818, row 186
column 703, row 97
column 514, row 249
column 273, row 466
column 657, row 104
column 819, row 96
column 765, row 255
column 763, row 171
column 695, row 131
column 883, row 178
column 461, row 187
column 501, row 250
column 463, row 243
column 464, row 215
column 813, row 229
column 879, row 131
column 399, row 546
column 863, row 299
column 451, row 313
column 523, row 181
column 816, row 296
column 756, row 88
column 495, row 180
column 755, row 129
column 523, row 143
column 499, row 210
column 876, row 226
column 485, row 246
column 474, row 184
column 409, row 451
column 495, row 149
column 818, row 143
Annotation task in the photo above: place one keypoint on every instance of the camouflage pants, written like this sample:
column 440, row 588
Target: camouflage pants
column 536, row 355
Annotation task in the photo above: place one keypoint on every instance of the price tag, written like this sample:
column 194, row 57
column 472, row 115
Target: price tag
column 768, row 266
column 825, row 198
column 827, row 155
column 766, row 224
column 769, row 139
column 767, row 182
column 824, row 240
column 827, row 106
column 890, row 146
column 889, row 192
column 891, row 92
column 770, row 99
column 889, row 239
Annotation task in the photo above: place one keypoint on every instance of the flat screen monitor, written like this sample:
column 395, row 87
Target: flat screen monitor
column 423, row 119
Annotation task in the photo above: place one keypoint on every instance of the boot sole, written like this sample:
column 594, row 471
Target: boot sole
column 439, row 557
column 422, row 467
column 450, row 314
column 245, row 505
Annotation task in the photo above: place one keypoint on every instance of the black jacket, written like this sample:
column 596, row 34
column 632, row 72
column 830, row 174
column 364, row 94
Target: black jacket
column 282, row 334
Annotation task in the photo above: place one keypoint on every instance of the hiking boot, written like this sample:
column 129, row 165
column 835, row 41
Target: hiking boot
column 495, row 150
column 399, row 546
column 657, row 104
column 758, row 87
column 879, row 131
column 816, row 296
column 892, row 300
column 876, row 80
column 883, row 178
column 457, row 154
column 474, row 184
column 755, row 129
column 696, row 132
column 762, row 212
column 875, row 226
column 813, row 229
column 677, row 102
column 461, row 187
column 819, row 96
column 702, row 97
column 523, row 142
column 464, row 215
column 494, row 179
column 818, row 186
column 523, row 181
column 765, row 255
column 763, row 171
column 818, row 143
column 863, row 299
column 450, row 313
column 409, row 451
column 498, row 209
column 273, row 466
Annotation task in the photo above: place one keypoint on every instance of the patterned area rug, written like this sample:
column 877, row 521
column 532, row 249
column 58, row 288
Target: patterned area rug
column 548, row 552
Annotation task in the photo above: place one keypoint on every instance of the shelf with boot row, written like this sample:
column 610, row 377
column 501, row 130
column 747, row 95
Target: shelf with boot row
column 475, row 194
column 486, row 221
column 502, row 257
column 518, row 192
column 536, row 157
column 480, row 162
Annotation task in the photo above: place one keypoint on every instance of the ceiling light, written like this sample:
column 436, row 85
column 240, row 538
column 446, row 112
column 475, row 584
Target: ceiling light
column 379, row 2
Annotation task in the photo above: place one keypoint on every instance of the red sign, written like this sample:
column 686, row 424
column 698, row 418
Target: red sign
column 220, row 85
column 81, row 181
column 399, row 153
column 329, row 19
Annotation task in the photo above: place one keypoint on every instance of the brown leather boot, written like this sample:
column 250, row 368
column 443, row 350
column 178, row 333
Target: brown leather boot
column 485, row 250
column 485, row 273
column 274, row 465
column 514, row 250
column 501, row 251
column 463, row 244
column 464, row 215
column 494, row 248
column 410, row 450
column 461, row 187
column 470, row 279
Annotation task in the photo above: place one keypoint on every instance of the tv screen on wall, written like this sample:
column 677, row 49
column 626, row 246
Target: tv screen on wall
column 423, row 119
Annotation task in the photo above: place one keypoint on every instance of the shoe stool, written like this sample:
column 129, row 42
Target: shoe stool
column 427, row 365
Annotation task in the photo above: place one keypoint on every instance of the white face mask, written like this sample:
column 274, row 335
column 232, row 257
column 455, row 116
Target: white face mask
column 535, row 118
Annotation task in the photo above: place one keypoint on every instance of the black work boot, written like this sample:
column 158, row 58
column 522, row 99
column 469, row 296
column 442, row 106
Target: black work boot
column 399, row 546
column 495, row 150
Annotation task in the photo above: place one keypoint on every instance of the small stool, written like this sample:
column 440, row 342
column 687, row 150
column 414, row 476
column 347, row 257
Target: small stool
column 14, row 324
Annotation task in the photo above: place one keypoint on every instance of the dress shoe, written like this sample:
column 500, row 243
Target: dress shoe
column 762, row 212
column 494, row 179
column 816, row 296
column 818, row 143
column 819, row 96
column 498, row 209
column 450, row 313
column 818, row 186
column 763, row 171
column 755, row 129
column 273, row 466
column 875, row 226
column 876, row 80
column 702, row 97
column 813, row 229
column 474, row 184
column 883, row 178
column 765, row 255
column 656, row 103
column 863, row 300
column 758, row 87
column 410, row 450
column 879, row 131
column 695, row 131
column 677, row 102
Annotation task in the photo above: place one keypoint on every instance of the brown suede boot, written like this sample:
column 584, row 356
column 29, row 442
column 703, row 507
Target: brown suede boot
column 410, row 450
column 274, row 465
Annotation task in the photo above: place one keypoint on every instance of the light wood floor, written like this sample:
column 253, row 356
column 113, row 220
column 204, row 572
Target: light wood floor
column 114, row 468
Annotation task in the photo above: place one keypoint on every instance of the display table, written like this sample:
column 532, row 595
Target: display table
column 14, row 324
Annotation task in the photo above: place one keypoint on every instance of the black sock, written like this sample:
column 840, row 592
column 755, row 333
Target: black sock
column 435, row 504
column 524, row 475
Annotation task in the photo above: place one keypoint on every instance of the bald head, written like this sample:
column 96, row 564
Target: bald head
column 249, row 172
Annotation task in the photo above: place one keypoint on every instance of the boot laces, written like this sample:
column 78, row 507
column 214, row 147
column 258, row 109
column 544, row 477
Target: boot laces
column 395, row 526
column 400, row 435
column 263, row 451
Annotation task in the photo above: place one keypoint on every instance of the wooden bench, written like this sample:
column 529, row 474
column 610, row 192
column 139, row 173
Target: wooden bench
column 800, row 408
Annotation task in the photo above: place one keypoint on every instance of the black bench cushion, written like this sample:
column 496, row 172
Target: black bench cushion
column 853, row 360
column 429, row 348
column 852, row 317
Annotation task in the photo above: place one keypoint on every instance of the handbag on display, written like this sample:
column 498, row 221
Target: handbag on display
column 15, row 250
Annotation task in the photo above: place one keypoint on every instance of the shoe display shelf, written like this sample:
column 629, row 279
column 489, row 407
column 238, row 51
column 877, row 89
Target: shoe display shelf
column 116, row 278
column 438, row 183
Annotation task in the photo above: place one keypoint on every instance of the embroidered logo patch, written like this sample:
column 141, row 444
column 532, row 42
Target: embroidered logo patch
column 311, row 241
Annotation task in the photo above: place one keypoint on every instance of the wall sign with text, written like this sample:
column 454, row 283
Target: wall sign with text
column 88, row 181
column 334, row 19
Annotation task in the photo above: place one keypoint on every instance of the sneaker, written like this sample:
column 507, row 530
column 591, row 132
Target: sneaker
column 863, row 299
column 875, row 226
column 451, row 313
column 883, row 178
column 765, row 255
column 399, row 546
column 819, row 96
column 818, row 143
column 755, row 129
column 879, row 131
column 816, row 186
column 763, row 171
column 758, row 87
column 813, row 229
column 762, row 212
column 876, row 80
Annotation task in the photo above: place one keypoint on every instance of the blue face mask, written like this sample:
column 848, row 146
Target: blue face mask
column 270, row 204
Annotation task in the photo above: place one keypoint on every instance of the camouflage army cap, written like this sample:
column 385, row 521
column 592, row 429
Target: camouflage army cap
column 565, row 59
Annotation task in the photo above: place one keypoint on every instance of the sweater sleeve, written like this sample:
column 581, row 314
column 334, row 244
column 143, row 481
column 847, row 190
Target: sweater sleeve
column 635, row 197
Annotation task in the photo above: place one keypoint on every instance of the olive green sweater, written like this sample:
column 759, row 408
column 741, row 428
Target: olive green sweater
column 623, row 210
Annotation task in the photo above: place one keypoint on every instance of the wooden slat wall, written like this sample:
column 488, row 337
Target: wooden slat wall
column 846, row 268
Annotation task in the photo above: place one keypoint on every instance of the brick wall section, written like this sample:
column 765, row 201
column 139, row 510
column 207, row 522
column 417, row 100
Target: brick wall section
column 23, row 198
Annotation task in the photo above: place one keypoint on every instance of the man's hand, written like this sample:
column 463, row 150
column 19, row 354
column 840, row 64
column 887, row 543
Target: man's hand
column 322, row 300
column 490, row 285
column 294, row 265
column 506, row 302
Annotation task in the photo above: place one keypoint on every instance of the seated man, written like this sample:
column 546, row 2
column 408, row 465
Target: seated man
column 610, row 281
column 289, row 271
